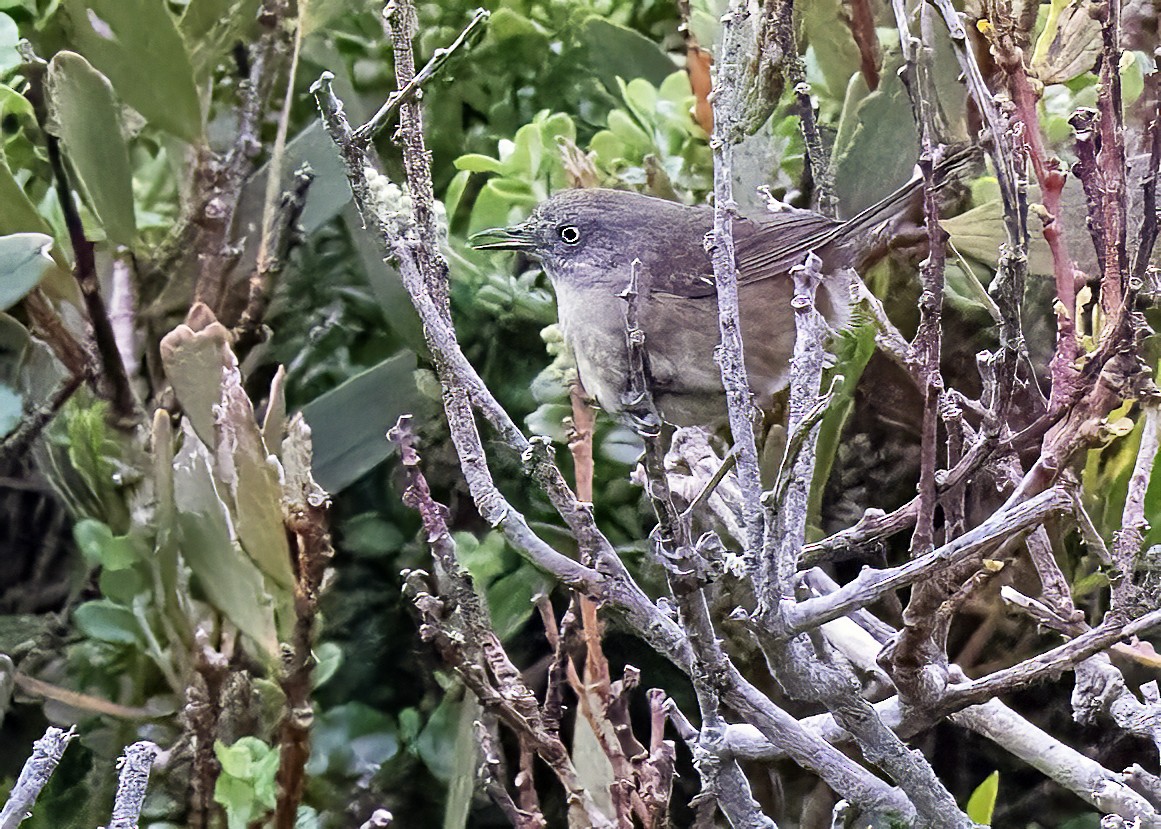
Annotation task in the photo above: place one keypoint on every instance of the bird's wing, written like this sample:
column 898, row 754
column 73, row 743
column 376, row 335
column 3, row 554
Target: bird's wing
column 774, row 244
column 765, row 247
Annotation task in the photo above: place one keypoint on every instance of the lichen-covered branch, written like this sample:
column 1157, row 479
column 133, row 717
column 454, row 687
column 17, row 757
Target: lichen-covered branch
column 46, row 754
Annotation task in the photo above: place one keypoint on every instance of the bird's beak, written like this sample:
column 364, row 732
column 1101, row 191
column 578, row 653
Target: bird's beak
column 517, row 237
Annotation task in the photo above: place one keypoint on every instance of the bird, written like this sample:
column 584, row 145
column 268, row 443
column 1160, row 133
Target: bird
column 590, row 241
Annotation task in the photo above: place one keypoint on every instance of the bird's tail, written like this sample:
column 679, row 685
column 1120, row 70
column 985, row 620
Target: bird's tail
column 905, row 200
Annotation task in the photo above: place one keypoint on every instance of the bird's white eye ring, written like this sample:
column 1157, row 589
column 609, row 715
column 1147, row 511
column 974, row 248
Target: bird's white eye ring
column 569, row 234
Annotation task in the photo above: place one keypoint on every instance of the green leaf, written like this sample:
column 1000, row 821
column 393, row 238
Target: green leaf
column 329, row 192
column 315, row 14
column 230, row 580
column 211, row 27
column 103, row 549
column 349, row 424
column 17, row 212
column 982, row 802
column 1069, row 44
column 9, row 37
column 436, row 742
column 108, row 622
column 618, row 52
column 14, row 342
column 393, row 299
column 23, row 262
column 478, row 163
column 11, row 409
column 13, row 103
column 876, row 132
column 351, row 740
column 832, row 46
column 136, row 44
column 854, row 351
column 462, row 785
column 329, row 657
column 83, row 113
column 510, row 599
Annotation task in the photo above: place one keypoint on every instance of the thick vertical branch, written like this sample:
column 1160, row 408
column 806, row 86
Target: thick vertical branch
column 219, row 179
column 1114, row 205
column 726, row 103
column 401, row 22
column 788, row 504
column 307, row 525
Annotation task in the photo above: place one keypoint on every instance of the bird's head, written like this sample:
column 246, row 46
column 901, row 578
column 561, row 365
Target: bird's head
column 584, row 234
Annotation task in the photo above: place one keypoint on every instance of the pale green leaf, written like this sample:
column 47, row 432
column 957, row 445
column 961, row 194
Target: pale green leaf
column 136, row 44
column 84, row 114
column 876, row 132
column 9, row 37
column 229, row 580
column 194, row 362
column 328, row 657
column 103, row 549
column 205, row 377
column 979, row 232
column 462, row 785
column 23, row 262
column 593, row 769
column 11, row 409
column 108, row 622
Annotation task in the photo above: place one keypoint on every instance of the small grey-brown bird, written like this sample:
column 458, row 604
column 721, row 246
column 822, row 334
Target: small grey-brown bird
column 587, row 241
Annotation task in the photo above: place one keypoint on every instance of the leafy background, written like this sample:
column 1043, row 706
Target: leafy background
column 554, row 93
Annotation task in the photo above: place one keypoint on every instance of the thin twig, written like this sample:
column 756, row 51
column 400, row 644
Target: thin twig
column 413, row 88
column 1128, row 539
column 283, row 235
column 37, row 420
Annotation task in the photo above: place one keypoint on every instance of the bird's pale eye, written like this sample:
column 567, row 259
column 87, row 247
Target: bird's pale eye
column 569, row 234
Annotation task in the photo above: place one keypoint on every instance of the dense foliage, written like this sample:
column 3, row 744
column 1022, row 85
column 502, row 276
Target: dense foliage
column 146, row 521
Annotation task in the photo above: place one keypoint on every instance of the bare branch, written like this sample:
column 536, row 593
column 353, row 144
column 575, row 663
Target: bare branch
column 131, row 784
column 46, row 754
column 726, row 101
